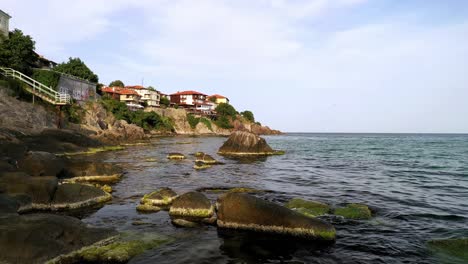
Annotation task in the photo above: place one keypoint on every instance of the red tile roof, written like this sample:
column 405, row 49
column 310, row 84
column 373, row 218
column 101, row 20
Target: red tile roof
column 217, row 96
column 188, row 93
column 118, row 90
column 135, row 87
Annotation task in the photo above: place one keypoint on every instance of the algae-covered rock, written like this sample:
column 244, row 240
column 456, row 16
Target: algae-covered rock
column 122, row 250
column 176, row 156
column 354, row 211
column 162, row 197
column 95, row 171
column 308, row 208
column 232, row 190
column 184, row 223
column 151, row 160
column 243, row 143
column 457, row 247
column 244, row 211
column 205, row 159
column 148, row 208
column 73, row 196
column 192, row 204
column 201, row 166
column 106, row 188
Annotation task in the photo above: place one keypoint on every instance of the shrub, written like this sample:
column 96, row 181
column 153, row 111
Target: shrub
column 248, row 115
column 223, row 122
column 77, row 68
column 73, row 112
column 117, row 83
column 164, row 101
column 224, row 109
column 46, row 77
column 192, row 120
column 207, row 122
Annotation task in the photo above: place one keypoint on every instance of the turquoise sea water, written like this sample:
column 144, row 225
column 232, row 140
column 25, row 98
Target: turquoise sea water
column 416, row 185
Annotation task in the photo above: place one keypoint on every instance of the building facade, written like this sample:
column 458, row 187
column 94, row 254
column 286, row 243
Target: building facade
column 218, row 99
column 4, row 24
column 150, row 97
column 188, row 99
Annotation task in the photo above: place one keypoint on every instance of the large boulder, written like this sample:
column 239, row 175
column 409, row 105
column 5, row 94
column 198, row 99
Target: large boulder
column 40, row 163
column 243, row 143
column 36, row 238
column 308, row 208
column 244, row 211
column 161, row 197
column 192, row 204
column 40, row 189
column 85, row 171
column 73, row 196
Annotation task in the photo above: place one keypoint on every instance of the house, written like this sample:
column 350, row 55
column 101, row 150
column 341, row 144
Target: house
column 206, row 107
column 130, row 97
column 149, row 96
column 188, row 99
column 218, row 99
column 44, row 63
column 4, row 24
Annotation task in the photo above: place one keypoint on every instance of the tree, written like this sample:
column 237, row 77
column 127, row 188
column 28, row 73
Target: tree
column 224, row 109
column 164, row 101
column 76, row 67
column 117, row 83
column 17, row 52
column 248, row 115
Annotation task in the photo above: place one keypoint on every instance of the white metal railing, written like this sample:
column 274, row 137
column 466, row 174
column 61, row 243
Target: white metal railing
column 38, row 88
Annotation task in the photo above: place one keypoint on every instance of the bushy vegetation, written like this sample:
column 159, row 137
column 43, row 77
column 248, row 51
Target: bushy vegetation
column 207, row 122
column 224, row 109
column 15, row 88
column 76, row 67
column 192, row 120
column 74, row 113
column 223, row 122
column 46, row 77
column 248, row 115
column 164, row 101
column 17, row 52
column 117, row 83
column 146, row 120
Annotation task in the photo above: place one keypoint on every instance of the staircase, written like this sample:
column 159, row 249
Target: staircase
column 36, row 88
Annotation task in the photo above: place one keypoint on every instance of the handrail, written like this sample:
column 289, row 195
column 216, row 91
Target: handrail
column 56, row 97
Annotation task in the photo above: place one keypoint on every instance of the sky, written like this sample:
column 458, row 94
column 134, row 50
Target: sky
column 298, row 65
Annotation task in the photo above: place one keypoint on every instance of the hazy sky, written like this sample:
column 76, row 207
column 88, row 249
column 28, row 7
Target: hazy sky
column 311, row 66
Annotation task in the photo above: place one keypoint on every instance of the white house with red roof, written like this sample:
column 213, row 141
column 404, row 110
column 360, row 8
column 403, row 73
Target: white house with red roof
column 129, row 96
column 188, row 99
column 217, row 98
column 150, row 96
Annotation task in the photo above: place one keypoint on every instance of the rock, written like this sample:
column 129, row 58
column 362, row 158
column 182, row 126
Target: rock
column 354, row 211
column 205, row 158
column 192, row 204
column 8, row 205
column 228, row 189
column 36, row 238
column 39, row 163
column 106, row 188
column 243, row 211
column 457, row 247
column 148, row 208
column 84, row 171
column 243, row 143
column 121, row 131
column 175, row 156
column 120, row 251
column 151, row 160
column 184, row 223
column 201, row 166
column 162, row 197
column 40, row 189
column 73, row 196
column 308, row 208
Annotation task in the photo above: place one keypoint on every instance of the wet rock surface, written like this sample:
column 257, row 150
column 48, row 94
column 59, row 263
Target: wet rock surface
column 40, row 163
column 243, row 143
column 246, row 212
column 36, row 238
column 308, row 208
column 161, row 197
column 73, row 196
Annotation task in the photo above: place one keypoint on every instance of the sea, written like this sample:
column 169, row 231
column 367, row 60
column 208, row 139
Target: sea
column 415, row 184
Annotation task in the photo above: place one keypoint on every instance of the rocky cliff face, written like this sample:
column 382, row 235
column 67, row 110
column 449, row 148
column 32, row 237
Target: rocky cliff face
column 182, row 126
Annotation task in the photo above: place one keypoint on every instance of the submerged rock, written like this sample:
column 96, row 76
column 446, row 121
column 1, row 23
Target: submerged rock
column 176, row 156
column 98, row 172
column 354, row 211
column 148, row 208
column 36, row 238
column 308, row 208
column 192, row 204
column 205, row 159
column 457, row 247
column 242, row 143
column 201, row 166
column 243, row 211
column 162, row 197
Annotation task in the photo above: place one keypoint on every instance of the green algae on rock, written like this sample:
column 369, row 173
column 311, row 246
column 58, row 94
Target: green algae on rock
column 457, row 247
column 176, row 156
column 192, row 204
column 243, row 211
column 201, row 166
column 148, row 208
column 151, row 160
column 161, row 197
column 243, row 143
column 206, row 159
column 91, row 151
column 308, row 208
column 354, row 211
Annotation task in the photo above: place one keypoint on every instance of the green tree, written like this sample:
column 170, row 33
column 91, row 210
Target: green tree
column 46, row 77
column 248, row 115
column 117, row 83
column 164, row 101
column 224, row 109
column 76, row 67
column 17, row 52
